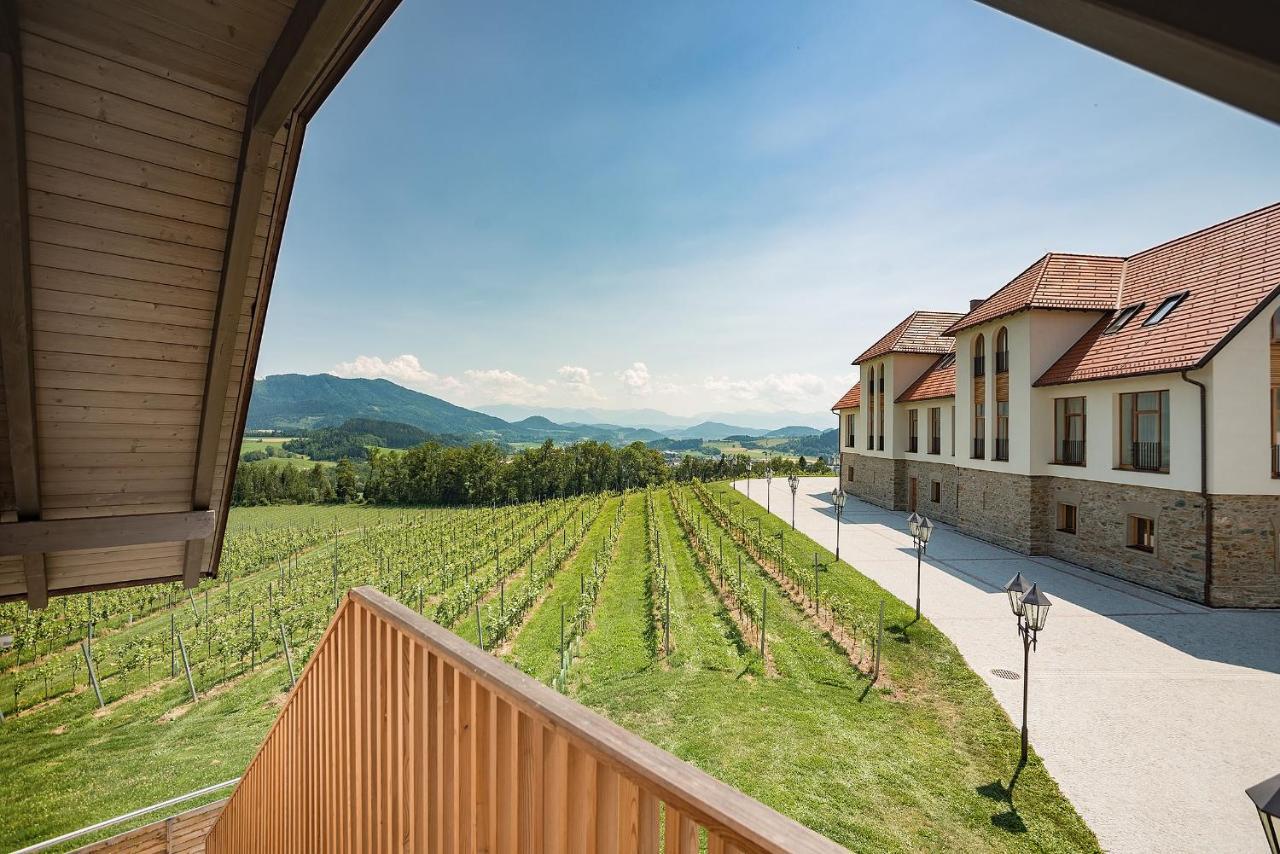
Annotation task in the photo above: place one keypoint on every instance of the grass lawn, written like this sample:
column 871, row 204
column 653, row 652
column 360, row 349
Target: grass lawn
column 920, row 761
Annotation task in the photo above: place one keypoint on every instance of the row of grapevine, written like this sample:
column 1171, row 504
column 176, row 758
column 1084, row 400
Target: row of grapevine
column 588, row 592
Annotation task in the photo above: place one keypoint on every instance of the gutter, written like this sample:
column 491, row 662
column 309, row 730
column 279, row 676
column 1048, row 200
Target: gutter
column 1204, row 488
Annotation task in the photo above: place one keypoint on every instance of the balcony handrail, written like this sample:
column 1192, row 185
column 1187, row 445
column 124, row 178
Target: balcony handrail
column 573, row 747
column 126, row 817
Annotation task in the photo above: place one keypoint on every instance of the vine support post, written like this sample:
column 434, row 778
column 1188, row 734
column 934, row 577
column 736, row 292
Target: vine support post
column 93, row 679
column 764, row 604
column 253, row 636
column 666, row 618
column 186, row 666
column 479, row 626
column 173, row 644
column 562, row 636
column 879, row 642
column 288, row 654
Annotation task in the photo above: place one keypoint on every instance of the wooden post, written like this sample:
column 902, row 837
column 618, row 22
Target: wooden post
column 479, row 627
column 253, row 636
column 288, row 656
column 764, row 603
column 879, row 641
column 93, row 677
column 562, row 636
column 186, row 665
column 173, row 643
column 666, row 621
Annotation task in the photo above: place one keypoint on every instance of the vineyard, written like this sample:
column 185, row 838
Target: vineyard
column 685, row 613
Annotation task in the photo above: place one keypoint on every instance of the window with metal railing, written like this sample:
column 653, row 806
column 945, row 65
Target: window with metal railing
column 1002, row 450
column 979, row 447
column 1002, row 351
column 1068, row 431
column 1144, row 431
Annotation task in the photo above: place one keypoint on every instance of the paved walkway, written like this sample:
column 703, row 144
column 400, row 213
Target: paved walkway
column 1152, row 713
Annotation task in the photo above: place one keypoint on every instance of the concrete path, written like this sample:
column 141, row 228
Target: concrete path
column 1152, row 713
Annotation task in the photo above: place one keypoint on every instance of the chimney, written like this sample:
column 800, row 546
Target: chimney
column 974, row 303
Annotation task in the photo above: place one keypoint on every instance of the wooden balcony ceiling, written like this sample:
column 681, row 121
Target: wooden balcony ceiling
column 147, row 152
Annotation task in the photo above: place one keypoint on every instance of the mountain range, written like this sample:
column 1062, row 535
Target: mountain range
column 297, row 403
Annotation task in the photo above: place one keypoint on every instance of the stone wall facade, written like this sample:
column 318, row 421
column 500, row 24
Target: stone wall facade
column 875, row 479
column 1101, row 540
column 1246, row 551
column 927, row 473
column 1021, row 513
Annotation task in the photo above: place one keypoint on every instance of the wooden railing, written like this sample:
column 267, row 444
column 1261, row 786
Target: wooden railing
column 400, row 735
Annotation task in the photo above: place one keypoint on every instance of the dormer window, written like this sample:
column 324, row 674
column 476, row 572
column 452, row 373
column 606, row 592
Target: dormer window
column 1126, row 314
column 1163, row 309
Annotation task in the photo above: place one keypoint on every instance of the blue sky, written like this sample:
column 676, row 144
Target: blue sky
column 714, row 205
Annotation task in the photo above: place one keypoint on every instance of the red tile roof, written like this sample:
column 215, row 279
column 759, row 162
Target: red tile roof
column 852, row 398
column 1230, row 270
column 1056, row 281
column 938, row 381
column 921, row 332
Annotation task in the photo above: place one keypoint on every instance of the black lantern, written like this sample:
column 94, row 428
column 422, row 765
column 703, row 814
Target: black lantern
column 1266, row 797
column 793, row 481
column 1016, row 588
column 838, row 499
column 1035, row 609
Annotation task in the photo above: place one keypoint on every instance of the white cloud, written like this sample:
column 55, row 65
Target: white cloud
column 404, row 369
column 780, row 390
column 636, row 379
column 495, row 385
column 577, row 380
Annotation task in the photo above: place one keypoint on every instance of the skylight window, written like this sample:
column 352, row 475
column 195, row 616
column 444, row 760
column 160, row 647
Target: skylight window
column 1126, row 314
column 947, row 361
column 1163, row 309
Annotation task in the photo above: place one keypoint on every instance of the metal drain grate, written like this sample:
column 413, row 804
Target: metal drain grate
column 1005, row 674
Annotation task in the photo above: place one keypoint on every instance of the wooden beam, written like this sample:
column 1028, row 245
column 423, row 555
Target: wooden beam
column 15, row 301
column 315, row 40
column 314, row 33
column 1227, row 50
column 256, row 149
column 104, row 532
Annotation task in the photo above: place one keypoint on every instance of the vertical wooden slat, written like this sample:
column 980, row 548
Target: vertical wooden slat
column 628, row 838
column 648, row 834
column 582, row 800
column 435, row 757
column 607, row 824
column 466, row 764
column 529, row 747
column 485, row 789
column 688, row 838
column 449, row 751
column 555, row 777
column 507, row 777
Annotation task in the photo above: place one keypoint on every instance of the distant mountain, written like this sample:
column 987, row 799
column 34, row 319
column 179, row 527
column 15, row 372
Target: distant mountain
column 823, row 445
column 713, row 430
column 366, row 411
column 656, row 419
column 792, row 432
column 295, row 402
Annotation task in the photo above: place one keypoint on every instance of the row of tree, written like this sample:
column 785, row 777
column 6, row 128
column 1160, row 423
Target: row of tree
column 480, row 473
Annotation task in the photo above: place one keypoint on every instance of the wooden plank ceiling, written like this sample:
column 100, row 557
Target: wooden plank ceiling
column 147, row 151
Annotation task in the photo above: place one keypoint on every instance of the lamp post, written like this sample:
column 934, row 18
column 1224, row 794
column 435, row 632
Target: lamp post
column 921, row 529
column 748, row 478
column 768, row 486
column 1266, row 797
column 793, row 481
column 838, row 498
column 1031, row 607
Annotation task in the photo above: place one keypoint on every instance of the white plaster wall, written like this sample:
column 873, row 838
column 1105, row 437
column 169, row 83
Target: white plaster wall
column 1102, row 432
column 922, row 407
column 842, row 421
column 1239, row 380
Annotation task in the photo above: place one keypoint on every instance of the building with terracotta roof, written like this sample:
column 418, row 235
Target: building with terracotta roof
column 1120, row 413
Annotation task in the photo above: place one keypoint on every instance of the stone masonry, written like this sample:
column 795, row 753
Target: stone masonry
column 1021, row 514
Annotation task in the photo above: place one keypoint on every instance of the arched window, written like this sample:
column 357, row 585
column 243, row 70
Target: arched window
column 869, row 392
column 1002, row 351
column 979, row 356
column 1275, row 327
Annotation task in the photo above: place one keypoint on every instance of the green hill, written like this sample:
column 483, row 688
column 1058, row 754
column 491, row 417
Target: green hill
column 293, row 403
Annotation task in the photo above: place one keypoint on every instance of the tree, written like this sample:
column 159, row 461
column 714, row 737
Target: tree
column 346, row 488
column 321, row 488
